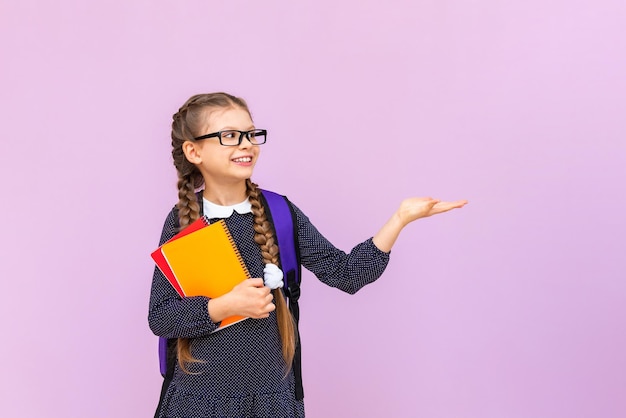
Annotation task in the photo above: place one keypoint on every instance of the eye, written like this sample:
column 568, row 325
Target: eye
column 229, row 134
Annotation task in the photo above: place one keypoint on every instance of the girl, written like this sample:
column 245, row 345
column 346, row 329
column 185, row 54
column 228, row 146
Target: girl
column 244, row 370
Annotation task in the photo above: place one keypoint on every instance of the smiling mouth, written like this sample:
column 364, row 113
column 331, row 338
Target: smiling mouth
column 243, row 160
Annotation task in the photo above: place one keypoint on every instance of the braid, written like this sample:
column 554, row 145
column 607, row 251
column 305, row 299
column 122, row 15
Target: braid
column 188, row 211
column 264, row 236
column 188, row 207
column 262, row 228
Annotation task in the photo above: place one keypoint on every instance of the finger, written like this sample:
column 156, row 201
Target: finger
column 430, row 206
column 255, row 282
column 446, row 206
column 264, row 291
column 264, row 311
column 456, row 204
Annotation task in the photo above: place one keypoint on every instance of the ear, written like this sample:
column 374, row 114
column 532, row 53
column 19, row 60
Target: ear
column 192, row 152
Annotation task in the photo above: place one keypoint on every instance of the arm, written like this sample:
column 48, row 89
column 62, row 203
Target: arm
column 348, row 272
column 169, row 315
column 409, row 211
column 188, row 317
column 366, row 261
column 250, row 298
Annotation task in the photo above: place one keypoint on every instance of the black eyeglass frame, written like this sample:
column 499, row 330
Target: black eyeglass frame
column 241, row 135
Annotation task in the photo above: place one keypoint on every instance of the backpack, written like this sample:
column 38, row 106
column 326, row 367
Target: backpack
column 280, row 214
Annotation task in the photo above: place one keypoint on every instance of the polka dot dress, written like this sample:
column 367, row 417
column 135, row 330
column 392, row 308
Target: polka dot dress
column 242, row 371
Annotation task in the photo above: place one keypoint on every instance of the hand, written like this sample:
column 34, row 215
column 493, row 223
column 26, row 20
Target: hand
column 251, row 298
column 421, row 207
column 410, row 210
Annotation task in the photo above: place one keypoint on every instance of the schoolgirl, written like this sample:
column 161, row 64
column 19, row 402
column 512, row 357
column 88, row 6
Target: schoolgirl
column 245, row 370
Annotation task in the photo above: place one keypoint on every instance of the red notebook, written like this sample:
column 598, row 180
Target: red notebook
column 161, row 262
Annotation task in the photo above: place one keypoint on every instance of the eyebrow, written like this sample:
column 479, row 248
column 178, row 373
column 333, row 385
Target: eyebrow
column 230, row 128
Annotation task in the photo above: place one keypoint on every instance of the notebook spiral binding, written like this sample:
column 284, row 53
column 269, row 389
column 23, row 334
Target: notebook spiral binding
column 234, row 246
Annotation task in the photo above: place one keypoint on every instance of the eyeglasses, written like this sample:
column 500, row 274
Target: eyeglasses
column 233, row 138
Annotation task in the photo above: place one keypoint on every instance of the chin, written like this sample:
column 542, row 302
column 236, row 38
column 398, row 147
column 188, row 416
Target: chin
column 244, row 174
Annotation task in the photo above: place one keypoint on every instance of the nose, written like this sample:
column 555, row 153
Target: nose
column 244, row 141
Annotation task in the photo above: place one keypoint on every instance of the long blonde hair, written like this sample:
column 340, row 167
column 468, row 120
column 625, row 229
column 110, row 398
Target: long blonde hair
column 184, row 128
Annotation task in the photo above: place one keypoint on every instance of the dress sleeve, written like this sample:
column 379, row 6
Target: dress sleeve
column 169, row 315
column 348, row 272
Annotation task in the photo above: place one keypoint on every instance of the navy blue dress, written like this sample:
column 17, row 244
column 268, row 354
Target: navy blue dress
column 242, row 373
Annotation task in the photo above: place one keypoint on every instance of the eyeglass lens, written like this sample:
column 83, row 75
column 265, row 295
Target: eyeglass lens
column 256, row 137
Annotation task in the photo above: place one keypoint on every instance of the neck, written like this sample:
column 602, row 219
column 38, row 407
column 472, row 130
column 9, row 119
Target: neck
column 225, row 195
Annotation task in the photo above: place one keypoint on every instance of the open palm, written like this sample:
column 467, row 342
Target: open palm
column 422, row 207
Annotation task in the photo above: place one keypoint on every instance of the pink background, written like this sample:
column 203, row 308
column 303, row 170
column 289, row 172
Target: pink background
column 511, row 307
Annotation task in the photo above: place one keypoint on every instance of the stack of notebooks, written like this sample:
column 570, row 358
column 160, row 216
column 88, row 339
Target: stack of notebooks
column 202, row 260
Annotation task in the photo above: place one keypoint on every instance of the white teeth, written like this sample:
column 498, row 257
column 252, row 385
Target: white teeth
column 243, row 160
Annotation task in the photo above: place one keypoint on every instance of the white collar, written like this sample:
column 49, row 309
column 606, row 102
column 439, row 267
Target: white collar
column 211, row 210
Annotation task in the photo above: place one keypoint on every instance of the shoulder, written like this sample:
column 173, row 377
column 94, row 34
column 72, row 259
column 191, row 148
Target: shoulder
column 170, row 226
column 279, row 205
column 269, row 194
column 172, row 216
column 275, row 200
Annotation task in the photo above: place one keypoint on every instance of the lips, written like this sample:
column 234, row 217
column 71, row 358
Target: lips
column 242, row 159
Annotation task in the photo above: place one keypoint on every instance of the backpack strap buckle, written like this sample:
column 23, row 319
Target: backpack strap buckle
column 292, row 288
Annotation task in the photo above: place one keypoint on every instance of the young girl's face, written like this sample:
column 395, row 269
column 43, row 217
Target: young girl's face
column 226, row 164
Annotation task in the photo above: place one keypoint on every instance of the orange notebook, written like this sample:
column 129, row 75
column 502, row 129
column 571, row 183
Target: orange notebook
column 203, row 260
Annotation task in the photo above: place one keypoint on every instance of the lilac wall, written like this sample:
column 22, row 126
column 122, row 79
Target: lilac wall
column 512, row 307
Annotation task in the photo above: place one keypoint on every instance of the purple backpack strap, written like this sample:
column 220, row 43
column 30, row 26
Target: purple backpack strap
column 284, row 225
column 163, row 355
